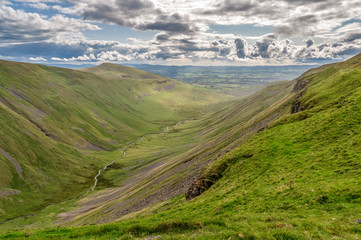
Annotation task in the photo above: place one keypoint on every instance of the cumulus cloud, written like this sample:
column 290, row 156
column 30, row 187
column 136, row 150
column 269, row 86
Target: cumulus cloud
column 20, row 26
column 267, row 50
column 39, row 5
column 309, row 42
column 290, row 18
column 37, row 59
column 264, row 47
column 241, row 46
column 137, row 14
column 229, row 6
column 351, row 37
column 227, row 48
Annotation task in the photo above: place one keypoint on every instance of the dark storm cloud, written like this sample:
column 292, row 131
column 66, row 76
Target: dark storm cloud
column 247, row 9
column 285, row 16
column 186, row 46
column 137, row 14
column 118, row 12
column 134, row 5
column 25, row 34
column 167, row 53
column 223, row 47
column 240, row 47
column 322, row 46
column 191, row 46
column 309, row 42
column 175, row 27
column 305, row 1
column 299, row 25
column 162, row 37
column 224, row 52
column 103, row 13
column 262, row 47
column 173, row 23
column 352, row 37
column 309, row 18
column 229, row 6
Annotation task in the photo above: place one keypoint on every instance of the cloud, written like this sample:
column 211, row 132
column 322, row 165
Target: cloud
column 241, row 46
column 302, row 2
column 289, row 18
column 263, row 47
column 39, row 5
column 138, row 14
column 226, row 48
column 79, row 58
column 299, row 25
column 37, row 59
column 352, row 37
column 309, row 42
column 166, row 26
column 20, row 26
column 229, row 6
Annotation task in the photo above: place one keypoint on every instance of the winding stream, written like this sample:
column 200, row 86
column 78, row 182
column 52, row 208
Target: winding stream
column 127, row 145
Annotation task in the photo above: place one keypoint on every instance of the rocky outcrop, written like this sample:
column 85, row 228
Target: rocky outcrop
column 203, row 183
column 206, row 181
column 301, row 88
column 301, row 84
column 197, row 188
column 297, row 105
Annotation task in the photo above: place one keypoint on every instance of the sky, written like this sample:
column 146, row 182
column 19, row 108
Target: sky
column 180, row 32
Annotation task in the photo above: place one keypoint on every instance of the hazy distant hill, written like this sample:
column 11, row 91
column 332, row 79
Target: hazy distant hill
column 227, row 74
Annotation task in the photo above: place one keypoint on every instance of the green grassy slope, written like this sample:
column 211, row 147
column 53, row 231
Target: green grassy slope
column 163, row 166
column 52, row 119
column 297, row 179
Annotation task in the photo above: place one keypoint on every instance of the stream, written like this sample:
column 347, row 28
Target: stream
column 127, row 145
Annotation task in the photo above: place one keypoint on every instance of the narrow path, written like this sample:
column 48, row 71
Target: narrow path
column 127, row 145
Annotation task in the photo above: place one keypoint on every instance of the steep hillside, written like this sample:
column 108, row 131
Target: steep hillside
column 158, row 167
column 172, row 161
column 53, row 119
column 296, row 177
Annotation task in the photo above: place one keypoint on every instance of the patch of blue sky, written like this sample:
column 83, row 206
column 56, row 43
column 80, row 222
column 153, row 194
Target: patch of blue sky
column 354, row 20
